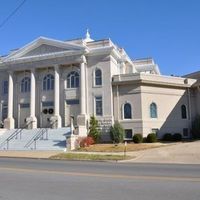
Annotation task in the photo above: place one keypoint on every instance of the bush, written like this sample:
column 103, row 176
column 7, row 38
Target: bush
column 137, row 138
column 117, row 133
column 86, row 142
column 151, row 138
column 144, row 140
column 177, row 137
column 167, row 137
column 94, row 129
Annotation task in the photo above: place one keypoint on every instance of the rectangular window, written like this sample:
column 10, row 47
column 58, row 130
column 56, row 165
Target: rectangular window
column 4, row 111
column 24, row 105
column 128, row 134
column 99, row 108
column 5, row 87
column 155, row 130
column 47, row 103
column 72, row 101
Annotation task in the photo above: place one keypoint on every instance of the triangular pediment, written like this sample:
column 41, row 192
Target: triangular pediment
column 45, row 49
column 44, row 46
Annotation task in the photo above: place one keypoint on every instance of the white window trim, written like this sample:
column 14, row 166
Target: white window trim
column 186, row 112
column 70, row 88
column 122, row 109
column 20, row 85
column 42, row 85
column 94, row 78
column 2, row 88
column 153, row 118
column 94, row 107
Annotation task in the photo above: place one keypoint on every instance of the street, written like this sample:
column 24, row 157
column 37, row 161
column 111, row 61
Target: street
column 22, row 179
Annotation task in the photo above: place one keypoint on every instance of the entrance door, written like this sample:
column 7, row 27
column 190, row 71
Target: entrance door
column 72, row 108
column 47, row 113
column 23, row 114
column 4, row 115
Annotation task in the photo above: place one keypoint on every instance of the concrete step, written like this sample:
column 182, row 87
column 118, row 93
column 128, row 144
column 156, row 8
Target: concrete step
column 56, row 139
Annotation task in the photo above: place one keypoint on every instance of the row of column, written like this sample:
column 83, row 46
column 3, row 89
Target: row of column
column 9, row 122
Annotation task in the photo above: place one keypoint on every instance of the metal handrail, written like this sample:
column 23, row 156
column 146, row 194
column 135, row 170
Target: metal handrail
column 37, row 136
column 54, row 122
column 14, row 134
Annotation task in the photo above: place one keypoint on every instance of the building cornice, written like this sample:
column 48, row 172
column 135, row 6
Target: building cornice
column 151, row 79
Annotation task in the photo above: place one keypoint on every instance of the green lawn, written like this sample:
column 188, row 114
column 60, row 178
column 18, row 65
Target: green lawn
column 80, row 156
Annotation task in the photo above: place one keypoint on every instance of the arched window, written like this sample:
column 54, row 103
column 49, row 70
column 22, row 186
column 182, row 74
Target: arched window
column 98, row 77
column 25, row 84
column 73, row 80
column 183, row 112
column 127, row 111
column 48, row 82
column 153, row 110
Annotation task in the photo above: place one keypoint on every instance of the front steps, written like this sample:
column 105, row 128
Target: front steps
column 56, row 140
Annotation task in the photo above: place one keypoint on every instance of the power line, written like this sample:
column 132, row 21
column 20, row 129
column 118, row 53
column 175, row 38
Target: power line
column 12, row 13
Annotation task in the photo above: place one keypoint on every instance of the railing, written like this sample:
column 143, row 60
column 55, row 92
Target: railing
column 53, row 123
column 14, row 134
column 37, row 136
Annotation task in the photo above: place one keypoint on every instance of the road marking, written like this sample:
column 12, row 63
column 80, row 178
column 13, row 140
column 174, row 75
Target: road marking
column 117, row 176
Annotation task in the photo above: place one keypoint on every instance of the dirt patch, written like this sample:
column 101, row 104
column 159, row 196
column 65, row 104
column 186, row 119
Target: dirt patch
column 120, row 147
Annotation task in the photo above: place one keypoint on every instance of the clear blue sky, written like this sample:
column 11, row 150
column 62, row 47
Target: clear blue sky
column 167, row 30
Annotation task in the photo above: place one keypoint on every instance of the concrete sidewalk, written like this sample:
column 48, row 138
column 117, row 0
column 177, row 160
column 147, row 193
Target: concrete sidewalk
column 176, row 153
column 180, row 153
column 29, row 154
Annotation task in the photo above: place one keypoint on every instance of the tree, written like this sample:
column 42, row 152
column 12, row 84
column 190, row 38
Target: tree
column 94, row 129
column 117, row 133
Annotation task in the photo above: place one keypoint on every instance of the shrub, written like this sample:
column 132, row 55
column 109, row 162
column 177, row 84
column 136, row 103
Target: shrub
column 137, row 138
column 86, row 141
column 94, row 129
column 117, row 133
column 167, row 137
column 177, row 137
column 144, row 140
column 151, row 138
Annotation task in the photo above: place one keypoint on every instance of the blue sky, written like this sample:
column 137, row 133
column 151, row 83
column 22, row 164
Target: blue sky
column 167, row 30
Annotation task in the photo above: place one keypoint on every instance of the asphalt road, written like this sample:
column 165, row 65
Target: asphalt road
column 33, row 179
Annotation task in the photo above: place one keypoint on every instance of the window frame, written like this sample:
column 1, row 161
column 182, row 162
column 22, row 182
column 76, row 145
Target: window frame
column 48, row 82
column 125, row 134
column 98, row 77
column 184, row 112
column 76, row 76
column 152, row 114
column 123, row 111
column 95, row 107
column 25, row 86
column 5, row 87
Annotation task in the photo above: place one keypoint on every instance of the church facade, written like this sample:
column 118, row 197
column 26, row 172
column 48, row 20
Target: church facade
column 47, row 82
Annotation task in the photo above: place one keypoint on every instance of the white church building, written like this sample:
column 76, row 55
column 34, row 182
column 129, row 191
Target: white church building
column 48, row 81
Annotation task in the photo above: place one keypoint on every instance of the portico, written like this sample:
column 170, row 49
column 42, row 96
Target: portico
column 43, row 95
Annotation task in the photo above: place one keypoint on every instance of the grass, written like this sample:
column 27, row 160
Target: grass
column 119, row 147
column 82, row 156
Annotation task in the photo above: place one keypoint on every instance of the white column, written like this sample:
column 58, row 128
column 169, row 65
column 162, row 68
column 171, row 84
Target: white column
column 9, row 122
column 10, row 95
column 82, row 118
column 56, row 90
column 32, row 117
column 32, row 97
column 56, row 119
column 83, row 89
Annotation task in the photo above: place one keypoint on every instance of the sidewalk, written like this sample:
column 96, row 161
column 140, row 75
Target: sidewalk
column 29, row 154
column 179, row 153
